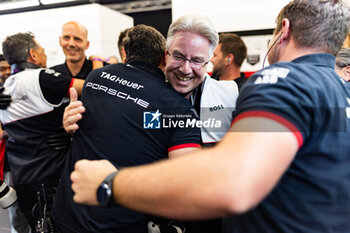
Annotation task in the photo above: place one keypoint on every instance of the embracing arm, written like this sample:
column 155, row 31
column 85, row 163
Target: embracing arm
column 230, row 178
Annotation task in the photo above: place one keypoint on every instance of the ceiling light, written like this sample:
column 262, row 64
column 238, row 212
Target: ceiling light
column 18, row 4
column 46, row 2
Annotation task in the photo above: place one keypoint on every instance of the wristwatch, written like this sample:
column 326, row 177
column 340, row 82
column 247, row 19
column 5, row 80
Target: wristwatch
column 105, row 190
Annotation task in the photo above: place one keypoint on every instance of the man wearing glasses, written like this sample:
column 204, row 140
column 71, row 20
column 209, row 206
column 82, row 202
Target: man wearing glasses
column 35, row 113
column 191, row 41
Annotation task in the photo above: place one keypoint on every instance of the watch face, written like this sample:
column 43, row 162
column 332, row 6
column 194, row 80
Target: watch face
column 103, row 194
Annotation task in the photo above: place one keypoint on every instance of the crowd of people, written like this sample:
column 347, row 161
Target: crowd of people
column 153, row 143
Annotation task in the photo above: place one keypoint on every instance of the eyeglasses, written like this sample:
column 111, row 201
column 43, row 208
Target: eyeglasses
column 179, row 59
column 30, row 36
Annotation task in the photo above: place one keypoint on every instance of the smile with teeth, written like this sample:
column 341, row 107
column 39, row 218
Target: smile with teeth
column 185, row 79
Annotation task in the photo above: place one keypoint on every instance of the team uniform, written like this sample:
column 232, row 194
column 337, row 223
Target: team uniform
column 217, row 102
column 240, row 81
column 128, row 104
column 308, row 97
column 34, row 114
column 346, row 83
column 83, row 73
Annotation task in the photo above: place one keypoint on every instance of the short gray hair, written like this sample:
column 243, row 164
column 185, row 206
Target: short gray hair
column 197, row 24
column 321, row 24
column 16, row 47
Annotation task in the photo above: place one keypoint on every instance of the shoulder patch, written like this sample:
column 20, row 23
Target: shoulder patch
column 271, row 76
column 54, row 73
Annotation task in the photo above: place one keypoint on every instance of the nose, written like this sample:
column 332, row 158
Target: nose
column 71, row 42
column 211, row 60
column 185, row 67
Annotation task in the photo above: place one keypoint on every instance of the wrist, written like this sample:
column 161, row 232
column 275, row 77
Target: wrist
column 97, row 59
column 105, row 190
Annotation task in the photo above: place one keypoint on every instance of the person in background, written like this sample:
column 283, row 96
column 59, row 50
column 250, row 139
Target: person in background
column 74, row 42
column 121, row 37
column 228, row 58
column 5, row 69
column 342, row 64
column 285, row 166
column 17, row 219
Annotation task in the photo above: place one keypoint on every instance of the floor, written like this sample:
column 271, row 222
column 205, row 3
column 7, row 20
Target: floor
column 4, row 222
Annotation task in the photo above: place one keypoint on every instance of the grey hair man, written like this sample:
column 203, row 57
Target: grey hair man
column 191, row 41
column 33, row 116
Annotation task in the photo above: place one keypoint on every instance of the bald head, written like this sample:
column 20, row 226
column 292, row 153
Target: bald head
column 78, row 26
column 73, row 41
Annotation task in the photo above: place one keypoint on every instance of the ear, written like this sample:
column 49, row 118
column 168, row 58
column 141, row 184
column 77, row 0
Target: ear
column 285, row 34
column 87, row 44
column 60, row 40
column 124, row 54
column 163, row 62
column 229, row 59
column 164, row 58
column 32, row 56
column 166, row 55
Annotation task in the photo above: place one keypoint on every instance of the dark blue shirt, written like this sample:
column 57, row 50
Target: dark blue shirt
column 308, row 97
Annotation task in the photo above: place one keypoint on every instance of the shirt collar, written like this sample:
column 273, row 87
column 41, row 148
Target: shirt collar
column 318, row 59
column 84, row 71
column 155, row 71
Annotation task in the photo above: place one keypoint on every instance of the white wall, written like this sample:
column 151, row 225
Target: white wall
column 102, row 23
column 234, row 16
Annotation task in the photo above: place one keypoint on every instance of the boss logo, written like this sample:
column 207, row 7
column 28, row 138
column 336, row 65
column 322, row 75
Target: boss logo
column 216, row 108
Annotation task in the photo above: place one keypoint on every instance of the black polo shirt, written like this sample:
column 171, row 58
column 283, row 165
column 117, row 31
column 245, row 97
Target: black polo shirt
column 240, row 81
column 83, row 73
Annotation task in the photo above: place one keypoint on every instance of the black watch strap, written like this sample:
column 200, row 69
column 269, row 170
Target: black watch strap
column 105, row 190
column 109, row 179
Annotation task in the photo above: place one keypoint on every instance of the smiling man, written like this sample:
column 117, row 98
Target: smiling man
column 191, row 41
column 185, row 76
column 74, row 42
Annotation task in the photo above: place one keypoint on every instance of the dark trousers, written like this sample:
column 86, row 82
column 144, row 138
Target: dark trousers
column 206, row 226
column 28, row 199
column 140, row 227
